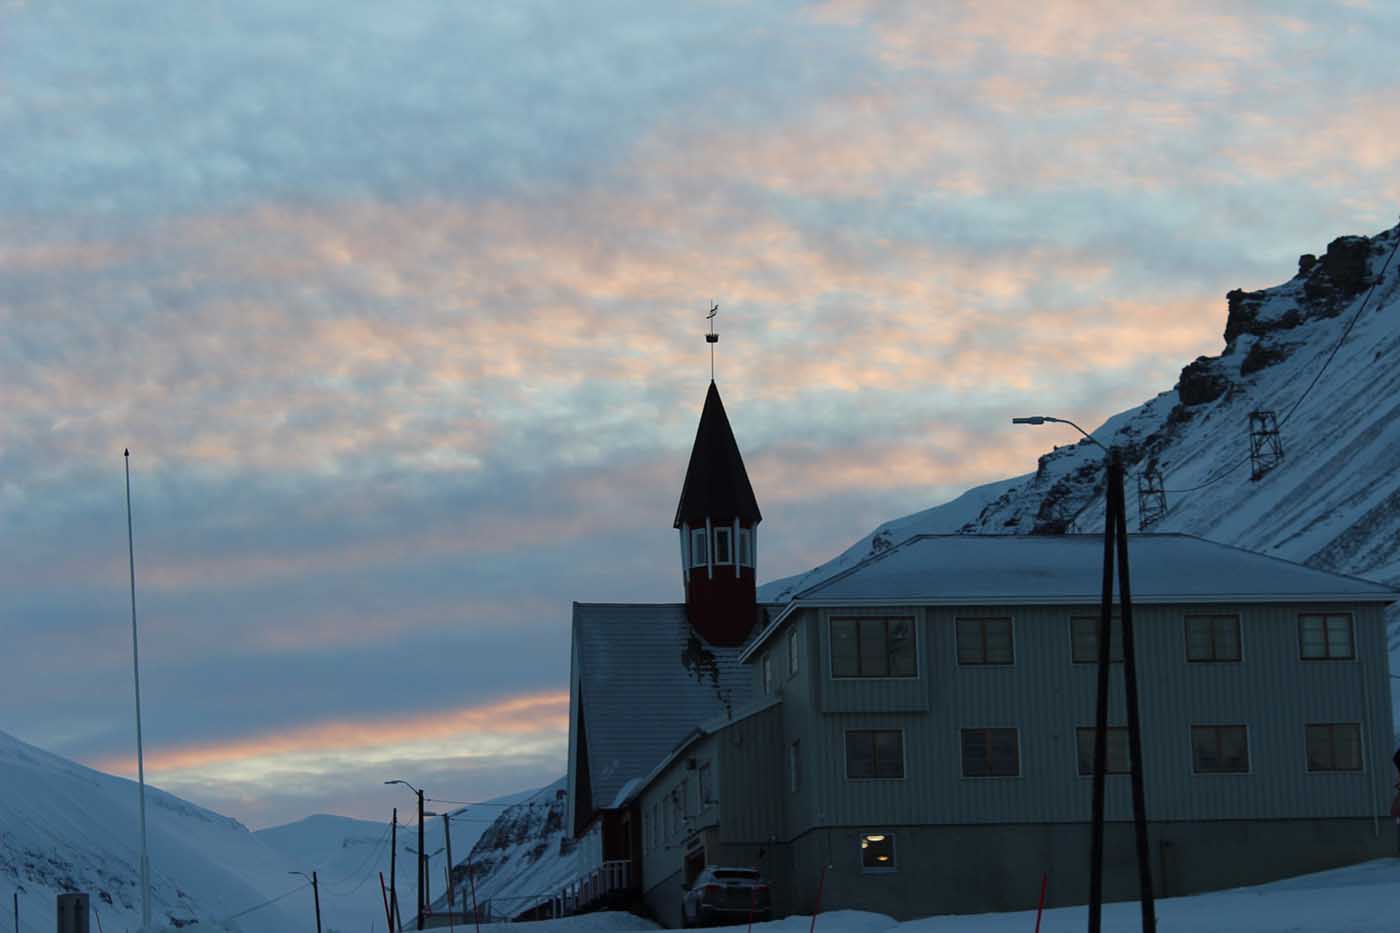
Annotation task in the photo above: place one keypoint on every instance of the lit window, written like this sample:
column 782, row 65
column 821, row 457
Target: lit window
column 793, row 652
column 1219, row 749
column 874, row 754
column 1118, row 757
column 746, row 547
column 985, row 641
column 699, row 553
column 873, row 648
column 1084, row 639
column 724, row 550
column 1334, row 746
column 1213, row 638
column 1326, row 636
column 877, row 852
column 990, row 753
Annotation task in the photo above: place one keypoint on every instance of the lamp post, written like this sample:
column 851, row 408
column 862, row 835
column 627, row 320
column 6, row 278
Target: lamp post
column 315, row 894
column 421, row 877
column 427, row 875
column 1115, row 545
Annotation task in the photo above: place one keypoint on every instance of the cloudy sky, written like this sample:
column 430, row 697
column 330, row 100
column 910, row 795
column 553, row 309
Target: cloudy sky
column 399, row 308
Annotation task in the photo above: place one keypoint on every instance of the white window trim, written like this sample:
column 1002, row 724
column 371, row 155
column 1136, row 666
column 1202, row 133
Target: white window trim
column 846, row 756
column 698, row 534
column 831, row 645
column 768, row 682
column 710, row 551
column 1248, row 750
column 1020, row 758
column 1186, row 638
column 1360, row 742
column 794, row 651
column 894, row 853
column 987, row 664
column 1351, row 624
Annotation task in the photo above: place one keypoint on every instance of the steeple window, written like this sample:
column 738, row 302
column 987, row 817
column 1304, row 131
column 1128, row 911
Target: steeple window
column 699, row 548
column 724, row 546
column 746, row 547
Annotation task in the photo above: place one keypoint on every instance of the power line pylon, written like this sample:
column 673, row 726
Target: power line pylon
column 1265, row 444
column 1152, row 498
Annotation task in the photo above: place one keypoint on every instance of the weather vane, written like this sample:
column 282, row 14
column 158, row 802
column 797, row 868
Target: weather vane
column 712, row 338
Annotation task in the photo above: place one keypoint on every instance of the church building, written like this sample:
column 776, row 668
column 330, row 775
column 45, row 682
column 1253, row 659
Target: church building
column 913, row 735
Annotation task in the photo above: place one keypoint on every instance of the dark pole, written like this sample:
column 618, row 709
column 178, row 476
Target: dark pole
column 447, row 835
column 316, row 893
column 421, row 877
column 1101, row 713
column 1125, row 595
column 393, row 863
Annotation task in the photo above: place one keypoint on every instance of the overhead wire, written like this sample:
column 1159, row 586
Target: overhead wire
column 269, row 903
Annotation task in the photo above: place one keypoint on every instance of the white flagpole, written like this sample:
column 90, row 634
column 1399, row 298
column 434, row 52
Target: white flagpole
column 136, row 676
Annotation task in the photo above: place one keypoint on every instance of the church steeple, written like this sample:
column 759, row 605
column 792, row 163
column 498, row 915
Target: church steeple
column 718, row 517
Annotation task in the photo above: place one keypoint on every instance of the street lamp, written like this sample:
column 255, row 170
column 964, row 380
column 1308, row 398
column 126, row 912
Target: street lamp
column 421, row 877
column 315, row 894
column 1115, row 544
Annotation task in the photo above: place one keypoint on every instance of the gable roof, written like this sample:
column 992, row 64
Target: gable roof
column 1009, row 570
column 716, row 483
column 643, row 681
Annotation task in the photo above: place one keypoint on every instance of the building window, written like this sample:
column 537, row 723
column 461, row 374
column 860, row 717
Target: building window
column 746, row 547
column 990, row 753
column 874, row 753
column 795, row 766
column 1334, row 746
column 724, row 545
column 707, row 785
column 877, row 852
column 1118, row 758
column 1326, row 637
column 1213, row 638
column 677, row 813
column 768, row 674
column 873, row 648
column 699, row 553
column 1084, row 639
column 985, row 641
column 793, row 652
column 1219, row 749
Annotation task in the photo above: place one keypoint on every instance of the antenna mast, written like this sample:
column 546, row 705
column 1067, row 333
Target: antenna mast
column 712, row 338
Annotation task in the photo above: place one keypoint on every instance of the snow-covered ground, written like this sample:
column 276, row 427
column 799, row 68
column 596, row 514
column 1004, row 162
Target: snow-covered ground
column 1359, row 899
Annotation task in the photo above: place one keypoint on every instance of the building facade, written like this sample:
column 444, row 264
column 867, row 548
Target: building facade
column 914, row 736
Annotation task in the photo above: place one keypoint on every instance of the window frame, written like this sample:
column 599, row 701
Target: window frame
column 705, row 779
column 744, row 549
column 1115, row 624
column 1112, row 731
column 768, row 682
column 1248, row 749
column 1239, row 637
column 794, row 651
column 911, row 619
column 1332, row 727
column 699, row 548
column 1326, row 643
column 726, row 534
column 861, row 840
column 982, row 621
column 903, row 755
column 962, row 752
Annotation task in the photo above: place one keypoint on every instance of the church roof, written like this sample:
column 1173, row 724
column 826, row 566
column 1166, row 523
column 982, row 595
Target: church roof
column 716, row 483
column 643, row 681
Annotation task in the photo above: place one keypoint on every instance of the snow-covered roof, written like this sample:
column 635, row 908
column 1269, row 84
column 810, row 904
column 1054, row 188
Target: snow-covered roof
column 1007, row 570
column 644, row 682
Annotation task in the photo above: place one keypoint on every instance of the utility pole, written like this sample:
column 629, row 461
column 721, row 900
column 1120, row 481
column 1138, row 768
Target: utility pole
column 316, row 895
column 136, row 678
column 393, row 863
column 422, row 878
column 447, row 841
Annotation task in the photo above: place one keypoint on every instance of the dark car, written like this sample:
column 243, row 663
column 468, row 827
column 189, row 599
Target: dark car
column 723, row 896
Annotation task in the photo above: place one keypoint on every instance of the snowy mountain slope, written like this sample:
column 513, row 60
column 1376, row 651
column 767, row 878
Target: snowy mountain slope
column 64, row 827
column 522, row 859
column 348, row 854
column 1334, row 500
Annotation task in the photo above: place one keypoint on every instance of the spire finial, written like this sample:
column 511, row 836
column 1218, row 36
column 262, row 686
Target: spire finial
column 712, row 338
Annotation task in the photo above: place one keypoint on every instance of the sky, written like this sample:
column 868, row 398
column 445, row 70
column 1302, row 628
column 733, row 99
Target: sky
column 399, row 308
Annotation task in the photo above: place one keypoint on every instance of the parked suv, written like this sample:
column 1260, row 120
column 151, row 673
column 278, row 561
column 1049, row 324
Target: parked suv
column 726, row 896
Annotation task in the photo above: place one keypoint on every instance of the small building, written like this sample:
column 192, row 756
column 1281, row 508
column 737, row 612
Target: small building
column 914, row 735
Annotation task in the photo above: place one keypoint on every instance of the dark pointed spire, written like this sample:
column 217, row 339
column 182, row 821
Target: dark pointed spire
column 716, row 483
